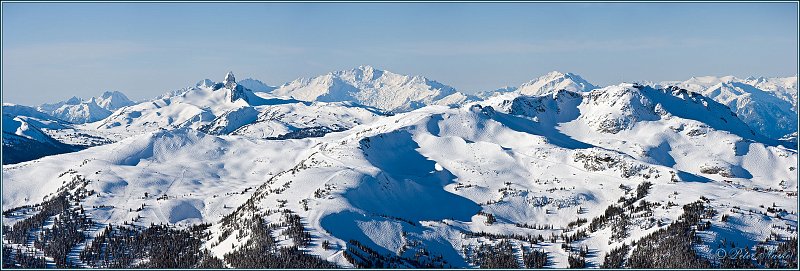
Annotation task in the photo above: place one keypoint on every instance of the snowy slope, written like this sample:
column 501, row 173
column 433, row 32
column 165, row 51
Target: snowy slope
column 24, row 138
column 769, row 105
column 421, row 186
column 372, row 87
column 292, row 119
column 256, row 85
column 211, row 176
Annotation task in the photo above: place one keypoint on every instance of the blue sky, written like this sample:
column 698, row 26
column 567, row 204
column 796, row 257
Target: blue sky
column 52, row 51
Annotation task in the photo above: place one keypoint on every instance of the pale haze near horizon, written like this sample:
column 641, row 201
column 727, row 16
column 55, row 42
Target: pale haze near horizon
column 53, row 51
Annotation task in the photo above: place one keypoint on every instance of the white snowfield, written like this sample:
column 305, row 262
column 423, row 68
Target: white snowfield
column 427, row 177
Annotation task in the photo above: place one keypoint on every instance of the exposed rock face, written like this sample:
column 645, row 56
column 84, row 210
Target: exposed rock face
column 230, row 80
column 237, row 91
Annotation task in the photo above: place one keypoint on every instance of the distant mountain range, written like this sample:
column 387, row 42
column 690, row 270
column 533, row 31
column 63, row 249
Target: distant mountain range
column 372, row 87
column 76, row 110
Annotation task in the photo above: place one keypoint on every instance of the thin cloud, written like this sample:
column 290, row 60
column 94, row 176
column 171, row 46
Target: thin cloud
column 552, row 46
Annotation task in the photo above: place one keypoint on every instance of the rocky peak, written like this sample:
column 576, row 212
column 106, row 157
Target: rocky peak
column 230, row 80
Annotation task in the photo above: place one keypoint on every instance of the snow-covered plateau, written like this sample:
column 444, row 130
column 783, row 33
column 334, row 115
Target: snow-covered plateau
column 368, row 168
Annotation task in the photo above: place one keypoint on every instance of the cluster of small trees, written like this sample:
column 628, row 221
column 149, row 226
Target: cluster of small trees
column 410, row 222
column 619, row 227
column 65, row 233
column 533, row 239
column 19, row 232
column 672, row 247
column 490, row 219
column 362, row 256
column 17, row 210
column 578, row 260
column 616, row 257
column 283, row 257
column 617, row 216
column 262, row 251
column 307, row 132
column 610, row 213
column 578, row 235
column 295, row 229
column 162, row 246
column 533, row 258
column 18, row 258
column 642, row 190
column 68, row 229
column 111, row 249
column 576, row 223
column 783, row 256
column 534, row 226
column 496, row 256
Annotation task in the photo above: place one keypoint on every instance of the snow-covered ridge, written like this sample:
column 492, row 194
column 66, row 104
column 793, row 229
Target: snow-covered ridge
column 769, row 105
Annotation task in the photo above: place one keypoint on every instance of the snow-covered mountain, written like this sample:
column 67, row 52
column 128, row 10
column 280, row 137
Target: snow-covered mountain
column 769, row 105
column 192, row 107
column 597, row 177
column 76, row 110
column 112, row 100
column 553, row 81
column 373, row 87
column 543, row 85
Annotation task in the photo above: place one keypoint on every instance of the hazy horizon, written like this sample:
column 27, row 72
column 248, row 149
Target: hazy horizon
column 60, row 50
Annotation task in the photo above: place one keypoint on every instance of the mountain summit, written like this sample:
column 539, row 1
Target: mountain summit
column 555, row 81
column 373, row 87
column 230, row 80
